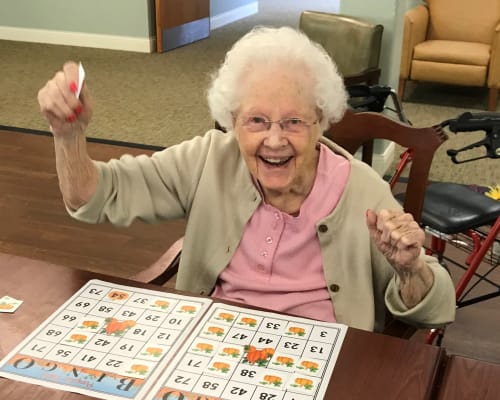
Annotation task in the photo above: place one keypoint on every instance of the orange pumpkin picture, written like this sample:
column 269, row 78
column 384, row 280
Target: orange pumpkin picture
column 230, row 351
column 161, row 303
column 153, row 351
column 205, row 347
column 226, row 317
column 78, row 338
column 117, row 328
column 188, row 309
column 286, row 361
column 272, row 380
column 90, row 324
column 220, row 366
column 215, row 330
column 295, row 330
column 252, row 322
column 309, row 365
column 259, row 357
column 139, row 369
column 304, row 383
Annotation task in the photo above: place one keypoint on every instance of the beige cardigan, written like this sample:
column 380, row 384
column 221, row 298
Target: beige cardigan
column 206, row 180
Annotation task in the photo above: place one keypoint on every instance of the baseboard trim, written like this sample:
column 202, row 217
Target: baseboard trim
column 80, row 39
column 228, row 17
column 381, row 162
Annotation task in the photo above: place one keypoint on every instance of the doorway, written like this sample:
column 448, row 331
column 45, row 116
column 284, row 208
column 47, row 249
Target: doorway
column 180, row 22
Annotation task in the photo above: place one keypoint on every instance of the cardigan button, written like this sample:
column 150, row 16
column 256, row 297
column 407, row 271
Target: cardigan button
column 334, row 288
column 323, row 228
column 202, row 292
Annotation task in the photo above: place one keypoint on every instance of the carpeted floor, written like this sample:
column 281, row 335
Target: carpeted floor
column 159, row 99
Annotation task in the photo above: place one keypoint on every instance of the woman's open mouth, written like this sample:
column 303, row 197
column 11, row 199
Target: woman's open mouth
column 275, row 161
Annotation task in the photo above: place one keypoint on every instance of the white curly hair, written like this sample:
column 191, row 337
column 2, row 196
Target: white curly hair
column 286, row 45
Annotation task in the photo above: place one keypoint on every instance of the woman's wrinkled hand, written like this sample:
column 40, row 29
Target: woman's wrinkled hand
column 400, row 239
column 398, row 236
column 65, row 113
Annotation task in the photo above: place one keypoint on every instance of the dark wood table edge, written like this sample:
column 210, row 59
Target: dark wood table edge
column 112, row 142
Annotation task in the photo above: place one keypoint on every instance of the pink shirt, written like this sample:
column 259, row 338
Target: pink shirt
column 278, row 263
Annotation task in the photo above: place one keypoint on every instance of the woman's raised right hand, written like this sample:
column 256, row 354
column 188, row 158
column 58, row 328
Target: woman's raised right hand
column 66, row 114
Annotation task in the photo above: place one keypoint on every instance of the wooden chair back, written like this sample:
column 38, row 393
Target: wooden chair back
column 356, row 129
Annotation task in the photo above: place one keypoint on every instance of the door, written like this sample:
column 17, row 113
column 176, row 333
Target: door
column 179, row 22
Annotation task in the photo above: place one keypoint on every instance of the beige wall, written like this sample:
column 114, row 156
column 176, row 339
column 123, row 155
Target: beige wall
column 110, row 24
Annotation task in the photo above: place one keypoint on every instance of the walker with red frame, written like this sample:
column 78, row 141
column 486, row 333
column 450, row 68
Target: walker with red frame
column 453, row 214
column 464, row 217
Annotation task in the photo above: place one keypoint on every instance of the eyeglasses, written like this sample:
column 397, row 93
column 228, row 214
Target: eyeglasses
column 293, row 125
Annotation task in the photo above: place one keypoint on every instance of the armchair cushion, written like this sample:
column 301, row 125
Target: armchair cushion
column 453, row 74
column 447, row 51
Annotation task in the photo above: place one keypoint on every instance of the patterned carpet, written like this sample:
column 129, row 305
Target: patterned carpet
column 159, row 99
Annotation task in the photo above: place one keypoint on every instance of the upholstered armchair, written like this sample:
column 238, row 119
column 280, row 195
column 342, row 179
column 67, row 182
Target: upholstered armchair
column 353, row 43
column 454, row 42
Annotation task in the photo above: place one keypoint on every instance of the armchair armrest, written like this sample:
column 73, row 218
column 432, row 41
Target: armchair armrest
column 164, row 268
column 494, row 68
column 414, row 32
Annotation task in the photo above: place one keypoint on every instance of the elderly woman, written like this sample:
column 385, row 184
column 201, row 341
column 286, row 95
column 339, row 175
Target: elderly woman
column 278, row 216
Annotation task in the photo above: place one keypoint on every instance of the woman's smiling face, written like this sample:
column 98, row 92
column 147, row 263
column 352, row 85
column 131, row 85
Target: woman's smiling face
column 282, row 160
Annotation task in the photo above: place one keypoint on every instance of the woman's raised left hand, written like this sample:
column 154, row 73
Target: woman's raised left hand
column 400, row 239
column 398, row 236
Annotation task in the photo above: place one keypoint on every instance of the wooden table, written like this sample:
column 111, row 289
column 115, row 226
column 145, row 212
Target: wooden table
column 35, row 224
column 466, row 378
column 369, row 365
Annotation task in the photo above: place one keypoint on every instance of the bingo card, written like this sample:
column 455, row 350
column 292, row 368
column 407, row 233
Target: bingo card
column 107, row 341
column 240, row 354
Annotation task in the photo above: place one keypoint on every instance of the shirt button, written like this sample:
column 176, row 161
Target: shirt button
column 264, row 254
column 334, row 287
column 323, row 228
column 277, row 215
column 269, row 240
